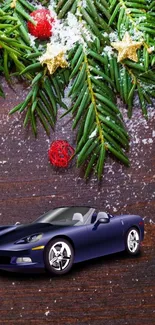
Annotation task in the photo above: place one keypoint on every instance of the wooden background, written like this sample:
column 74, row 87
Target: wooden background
column 112, row 290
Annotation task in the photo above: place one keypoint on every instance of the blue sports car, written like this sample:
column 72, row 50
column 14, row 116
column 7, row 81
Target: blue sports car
column 68, row 235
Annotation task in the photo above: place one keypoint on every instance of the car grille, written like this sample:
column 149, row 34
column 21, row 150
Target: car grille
column 5, row 259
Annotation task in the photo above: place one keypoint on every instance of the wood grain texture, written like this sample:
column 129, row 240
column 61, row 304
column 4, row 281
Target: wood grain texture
column 112, row 290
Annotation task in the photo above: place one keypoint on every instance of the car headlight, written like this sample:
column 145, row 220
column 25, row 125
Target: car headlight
column 30, row 239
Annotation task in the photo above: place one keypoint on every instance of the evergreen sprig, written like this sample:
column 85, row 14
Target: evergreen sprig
column 101, row 126
column 135, row 17
column 96, row 76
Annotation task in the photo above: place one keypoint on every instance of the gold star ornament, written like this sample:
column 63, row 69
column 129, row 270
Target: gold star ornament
column 13, row 4
column 53, row 58
column 127, row 48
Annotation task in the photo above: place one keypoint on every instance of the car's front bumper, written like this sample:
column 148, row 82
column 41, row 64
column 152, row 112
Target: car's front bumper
column 8, row 260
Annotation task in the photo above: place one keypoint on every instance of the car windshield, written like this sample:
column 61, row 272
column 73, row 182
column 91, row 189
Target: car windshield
column 73, row 216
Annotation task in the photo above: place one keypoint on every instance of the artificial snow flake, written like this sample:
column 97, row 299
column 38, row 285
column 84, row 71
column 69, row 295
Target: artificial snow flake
column 47, row 313
column 137, row 35
column 84, row 3
column 147, row 141
column 98, row 77
column 105, row 34
column 67, row 32
column 52, row 5
column 113, row 36
column 32, row 40
column 108, row 50
column 93, row 134
column 52, row 51
column 150, row 140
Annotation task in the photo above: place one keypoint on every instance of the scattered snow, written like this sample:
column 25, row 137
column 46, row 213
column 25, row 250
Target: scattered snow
column 105, row 34
column 113, row 36
column 147, row 141
column 32, row 40
column 84, row 3
column 47, row 313
column 69, row 31
column 52, row 4
column 53, row 50
column 93, row 134
column 108, row 50
column 137, row 35
column 98, row 77
column 151, row 221
column 38, row 6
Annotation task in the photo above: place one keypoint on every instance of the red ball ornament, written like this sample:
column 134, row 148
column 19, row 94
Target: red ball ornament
column 60, row 153
column 43, row 27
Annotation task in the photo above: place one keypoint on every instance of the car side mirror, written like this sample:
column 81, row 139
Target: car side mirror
column 104, row 220
column 101, row 221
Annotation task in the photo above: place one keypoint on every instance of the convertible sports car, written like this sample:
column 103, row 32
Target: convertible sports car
column 68, row 235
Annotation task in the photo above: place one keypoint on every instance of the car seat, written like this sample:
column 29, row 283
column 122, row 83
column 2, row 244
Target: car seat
column 101, row 215
column 78, row 216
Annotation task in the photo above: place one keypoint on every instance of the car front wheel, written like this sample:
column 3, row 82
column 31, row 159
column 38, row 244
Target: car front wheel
column 59, row 256
column 133, row 241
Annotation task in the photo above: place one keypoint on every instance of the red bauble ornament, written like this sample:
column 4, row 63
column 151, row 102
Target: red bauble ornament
column 60, row 153
column 43, row 27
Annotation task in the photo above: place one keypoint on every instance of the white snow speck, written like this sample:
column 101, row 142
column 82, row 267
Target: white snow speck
column 93, row 134
column 47, row 313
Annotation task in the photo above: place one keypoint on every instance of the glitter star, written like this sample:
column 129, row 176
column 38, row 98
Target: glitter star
column 127, row 48
column 56, row 62
column 53, row 58
column 13, row 4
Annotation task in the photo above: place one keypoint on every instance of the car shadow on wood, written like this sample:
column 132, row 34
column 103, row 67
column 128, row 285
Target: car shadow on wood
column 109, row 260
column 97, row 263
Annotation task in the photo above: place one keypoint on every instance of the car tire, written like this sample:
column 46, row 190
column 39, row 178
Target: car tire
column 133, row 241
column 59, row 256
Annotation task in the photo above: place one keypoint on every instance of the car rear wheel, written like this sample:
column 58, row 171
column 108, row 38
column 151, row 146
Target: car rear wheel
column 133, row 241
column 59, row 256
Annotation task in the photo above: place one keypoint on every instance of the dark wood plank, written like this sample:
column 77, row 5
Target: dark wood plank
column 112, row 290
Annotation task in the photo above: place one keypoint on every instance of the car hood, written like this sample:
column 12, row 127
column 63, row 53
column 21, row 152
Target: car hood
column 16, row 232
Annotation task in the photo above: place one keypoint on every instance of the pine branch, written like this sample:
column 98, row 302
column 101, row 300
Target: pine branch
column 43, row 99
column 39, row 103
column 133, row 17
column 46, row 93
column 13, row 50
column 101, row 129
